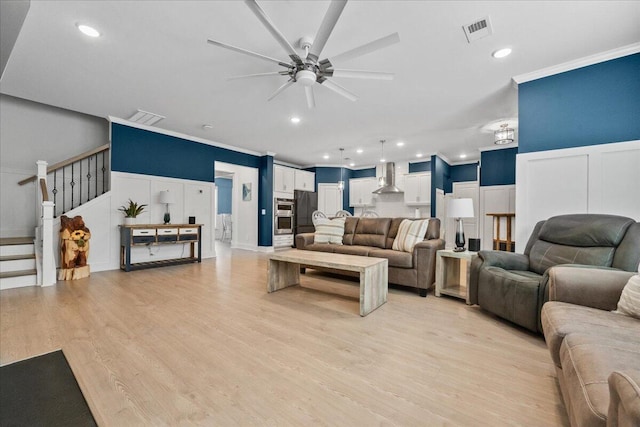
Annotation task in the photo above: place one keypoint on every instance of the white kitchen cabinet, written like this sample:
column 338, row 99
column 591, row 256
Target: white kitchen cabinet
column 283, row 180
column 329, row 199
column 305, row 180
column 361, row 191
column 417, row 189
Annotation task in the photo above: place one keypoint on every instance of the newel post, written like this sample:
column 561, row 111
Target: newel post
column 42, row 174
column 48, row 254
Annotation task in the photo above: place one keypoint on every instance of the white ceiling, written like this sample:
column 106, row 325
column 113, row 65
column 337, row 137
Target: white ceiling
column 153, row 55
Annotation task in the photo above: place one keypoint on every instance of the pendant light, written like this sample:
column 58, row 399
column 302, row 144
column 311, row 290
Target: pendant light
column 504, row 135
column 341, row 182
column 382, row 180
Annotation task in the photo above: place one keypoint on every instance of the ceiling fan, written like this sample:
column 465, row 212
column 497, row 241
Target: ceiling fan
column 309, row 70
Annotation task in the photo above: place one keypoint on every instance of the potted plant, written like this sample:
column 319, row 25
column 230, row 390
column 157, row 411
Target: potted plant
column 131, row 211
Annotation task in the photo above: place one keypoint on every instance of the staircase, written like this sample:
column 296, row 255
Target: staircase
column 17, row 262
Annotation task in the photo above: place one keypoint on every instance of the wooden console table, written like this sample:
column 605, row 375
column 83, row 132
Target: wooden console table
column 159, row 234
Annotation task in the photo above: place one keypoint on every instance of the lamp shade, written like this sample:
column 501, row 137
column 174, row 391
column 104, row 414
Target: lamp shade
column 166, row 197
column 460, row 208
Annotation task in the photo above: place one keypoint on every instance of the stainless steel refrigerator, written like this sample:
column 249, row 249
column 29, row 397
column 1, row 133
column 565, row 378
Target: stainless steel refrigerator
column 306, row 202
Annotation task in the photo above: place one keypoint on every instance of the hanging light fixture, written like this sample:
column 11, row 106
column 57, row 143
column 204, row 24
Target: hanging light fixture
column 504, row 135
column 382, row 180
column 341, row 182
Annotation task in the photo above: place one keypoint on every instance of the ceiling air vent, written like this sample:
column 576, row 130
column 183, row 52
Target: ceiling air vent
column 478, row 29
column 146, row 118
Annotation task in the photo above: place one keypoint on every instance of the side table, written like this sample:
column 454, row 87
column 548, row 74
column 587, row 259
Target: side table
column 452, row 273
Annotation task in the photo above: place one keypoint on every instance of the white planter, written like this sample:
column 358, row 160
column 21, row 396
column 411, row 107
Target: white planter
column 130, row 221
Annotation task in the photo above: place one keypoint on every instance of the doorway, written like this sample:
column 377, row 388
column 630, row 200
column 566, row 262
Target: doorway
column 224, row 207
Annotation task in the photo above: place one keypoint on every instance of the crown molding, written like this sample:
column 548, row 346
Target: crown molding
column 578, row 63
column 498, row 147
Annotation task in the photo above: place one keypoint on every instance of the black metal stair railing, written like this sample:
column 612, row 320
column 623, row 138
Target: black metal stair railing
column 78, row 180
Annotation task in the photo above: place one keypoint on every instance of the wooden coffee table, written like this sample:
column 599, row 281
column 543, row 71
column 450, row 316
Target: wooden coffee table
column 284, row 271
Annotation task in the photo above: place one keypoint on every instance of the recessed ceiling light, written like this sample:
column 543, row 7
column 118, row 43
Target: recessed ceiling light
column 419, row 155
column 463, row 156
column 88, row 31
column 352, row 164
column 382, row 160
column 400, row 144
column 326, row 157
column 295, row 120
column 359, row 151
column 501, row 53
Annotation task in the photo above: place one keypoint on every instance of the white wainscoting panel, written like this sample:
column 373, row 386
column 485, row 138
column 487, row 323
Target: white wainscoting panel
column 594, row 179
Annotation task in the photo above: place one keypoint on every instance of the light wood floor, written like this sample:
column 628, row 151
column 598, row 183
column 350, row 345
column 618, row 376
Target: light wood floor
column 204, row 344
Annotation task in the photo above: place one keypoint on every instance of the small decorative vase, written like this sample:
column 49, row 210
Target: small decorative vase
column 129, row 220
column 167, row 218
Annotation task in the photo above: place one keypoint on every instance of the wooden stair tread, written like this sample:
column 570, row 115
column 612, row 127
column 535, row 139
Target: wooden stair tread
column 17, row 257
column 6, row 241
column 6, row 274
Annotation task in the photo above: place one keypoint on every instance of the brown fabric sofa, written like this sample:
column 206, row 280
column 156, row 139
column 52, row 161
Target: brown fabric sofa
column 374, row 237
column 596, row 352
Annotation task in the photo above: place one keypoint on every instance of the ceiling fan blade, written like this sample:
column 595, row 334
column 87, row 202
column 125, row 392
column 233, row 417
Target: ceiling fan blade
column 247, row 52
column 311, row 99
column 328, row 22
column 281, row 89
column 366, row 48
column 339, row 90
column 266, row 21
column 360, row 74
column 274, row 73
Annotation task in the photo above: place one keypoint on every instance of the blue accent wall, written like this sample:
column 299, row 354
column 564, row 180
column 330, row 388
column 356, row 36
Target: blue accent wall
column 265, row 201
column 181, row 158
column 363, row 173
column 592, row 105
column 173, row 157
column 225, row 187
column 498, row 167
column 420, row 167
column 440, row 178
column 463, row 173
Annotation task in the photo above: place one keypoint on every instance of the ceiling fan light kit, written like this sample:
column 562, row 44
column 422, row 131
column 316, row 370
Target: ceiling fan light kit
column 309, row 70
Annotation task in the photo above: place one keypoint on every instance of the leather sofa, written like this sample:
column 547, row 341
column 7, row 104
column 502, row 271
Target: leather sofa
column 374, row 237
column 514, row 286
column 596, row 353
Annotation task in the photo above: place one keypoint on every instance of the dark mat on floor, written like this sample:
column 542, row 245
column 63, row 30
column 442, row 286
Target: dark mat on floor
column 42, row 391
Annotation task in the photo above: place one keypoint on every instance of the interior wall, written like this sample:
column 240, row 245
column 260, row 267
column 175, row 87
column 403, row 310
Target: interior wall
column 225, row 187
column 498, row 167
column 597, row 104
column 244, row 213
column 594, row 179
column 30, row 131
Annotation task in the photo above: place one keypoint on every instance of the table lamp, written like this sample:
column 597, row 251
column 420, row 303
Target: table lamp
column 166, row 198
column 458, row 209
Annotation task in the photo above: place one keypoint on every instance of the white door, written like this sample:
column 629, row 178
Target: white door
column 329, row 199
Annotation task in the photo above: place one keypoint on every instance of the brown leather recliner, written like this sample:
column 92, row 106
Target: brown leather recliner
column 514, row 286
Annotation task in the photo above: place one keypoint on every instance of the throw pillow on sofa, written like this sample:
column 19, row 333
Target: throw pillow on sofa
column 629, row 303
column 329, row 230
column 409, row 233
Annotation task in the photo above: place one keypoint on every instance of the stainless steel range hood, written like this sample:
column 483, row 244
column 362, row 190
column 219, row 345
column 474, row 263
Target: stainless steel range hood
column 389, row 186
